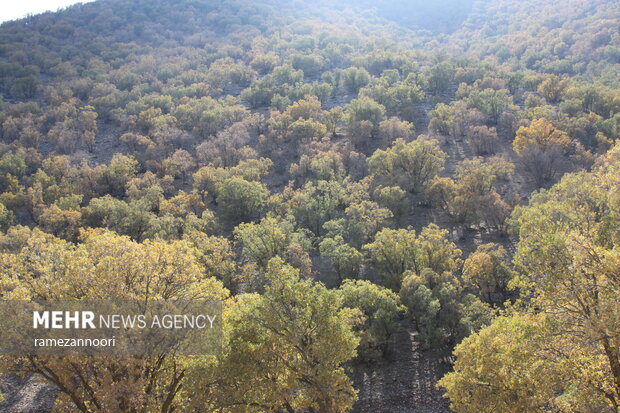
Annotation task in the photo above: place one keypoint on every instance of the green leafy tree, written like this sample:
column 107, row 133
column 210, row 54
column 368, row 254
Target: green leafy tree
column 285, row 349
column 316, row 204
column 355, row 78
column 380, row 308
column 363, row 220
column 260, row 242
column 440, row 77
column 393, row 252
column 240, row 200
column 393, row 198
column 345, row 259
column 409, row 165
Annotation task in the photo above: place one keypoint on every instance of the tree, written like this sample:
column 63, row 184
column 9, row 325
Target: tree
column 472, row 198
column 489, row 101
column 442, row 120
column 393, row 252
column 285, row 350
column 301, row 122
column 568, row 263
column 138, row 144
column 355, row 78
column 393, row 198
column 179, row 164
column 501, row 368
column 240, row 200
column 380, row 308
column 106, row 265
column 541, row 148
column 304, row 131
column 482, row 139
column 424, row 308
column 228, row 148
column 264, row 63
column 345, row 259
column 13, row 163
column 442, row 315
column 87, row 122
column 61, row 223
column 6, row 218
column 180, row 205
column 315, row 204
column 410, row 165
column 133, row 219
column 360, row 132
column 437, row 252
column 311, row 65
column 365, row 108
column 215, row 255
column 393, row 128
column 120, row 170
column 363, row 111
column 440, row 77
column 553, row 87
column 486, row 270
column 363, row 220
column 260, row 242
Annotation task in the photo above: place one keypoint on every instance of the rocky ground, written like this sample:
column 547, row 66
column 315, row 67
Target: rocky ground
column 25, row 395
column 405, row 381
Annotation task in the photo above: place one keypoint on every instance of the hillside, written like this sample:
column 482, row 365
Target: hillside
column 381, row 194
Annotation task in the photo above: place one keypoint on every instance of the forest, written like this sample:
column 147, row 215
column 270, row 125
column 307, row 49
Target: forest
column 403, row 206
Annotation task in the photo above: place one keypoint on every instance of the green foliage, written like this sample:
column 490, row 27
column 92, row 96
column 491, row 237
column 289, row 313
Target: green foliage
column 240, row 200
column 363, row 116
column 316, row 204
column 394, row 252
column 440, row 77
column 473, row 197
column 260, row 242
column 489, row 101
column 131, row 219
column 393, row 198
column 363, row 220
column 345, row 259
column 313, row 336
column 354, row 78
column 409, row 165
column 380, row 308
column 6, row 218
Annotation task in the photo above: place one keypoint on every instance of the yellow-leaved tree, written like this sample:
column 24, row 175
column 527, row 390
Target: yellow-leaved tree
column 562, row 349
column 106, row 266
column 541, row 148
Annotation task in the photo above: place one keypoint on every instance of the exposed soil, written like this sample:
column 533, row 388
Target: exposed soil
column 26, row 395
column 405, row 381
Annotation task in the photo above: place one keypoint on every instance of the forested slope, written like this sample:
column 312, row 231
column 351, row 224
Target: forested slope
column 365, row 186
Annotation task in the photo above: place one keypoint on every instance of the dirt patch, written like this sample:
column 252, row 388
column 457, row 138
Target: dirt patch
column 405, row 381
column 26, row 394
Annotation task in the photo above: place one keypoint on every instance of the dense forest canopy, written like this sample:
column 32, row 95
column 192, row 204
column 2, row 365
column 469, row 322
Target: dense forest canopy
column 356, row 181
